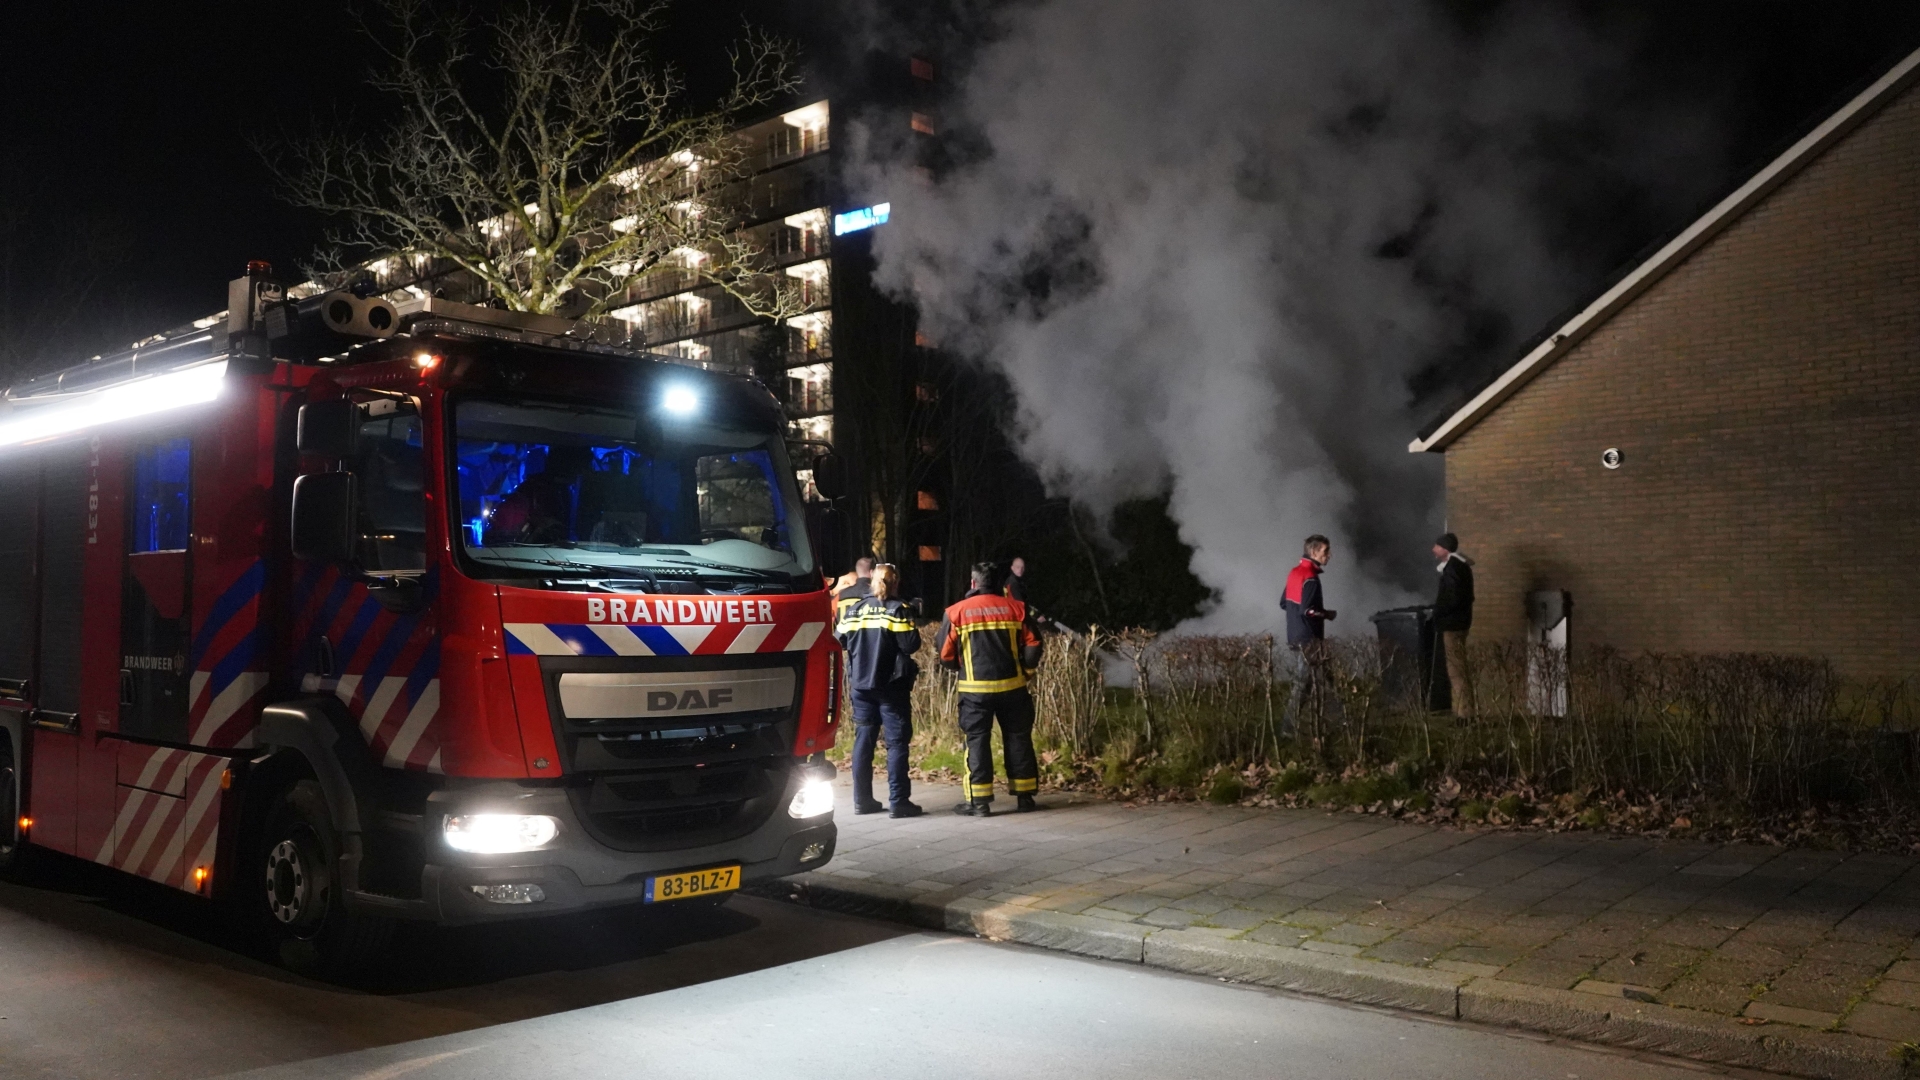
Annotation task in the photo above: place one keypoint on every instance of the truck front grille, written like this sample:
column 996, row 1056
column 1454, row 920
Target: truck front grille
column 656, row 783
column 678, row 807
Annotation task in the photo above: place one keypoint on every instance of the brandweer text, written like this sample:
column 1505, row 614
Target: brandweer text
column 637, row 610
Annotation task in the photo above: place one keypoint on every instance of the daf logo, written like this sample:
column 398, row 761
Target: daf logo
column 613, row 695
column 668, row 701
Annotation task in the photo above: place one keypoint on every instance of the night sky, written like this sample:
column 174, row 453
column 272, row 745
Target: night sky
column 134, row 128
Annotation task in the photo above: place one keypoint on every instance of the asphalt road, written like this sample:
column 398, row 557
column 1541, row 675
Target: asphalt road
column 104, row 977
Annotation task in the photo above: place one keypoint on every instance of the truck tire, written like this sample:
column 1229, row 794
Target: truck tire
column 15, row 852
column 304, row 912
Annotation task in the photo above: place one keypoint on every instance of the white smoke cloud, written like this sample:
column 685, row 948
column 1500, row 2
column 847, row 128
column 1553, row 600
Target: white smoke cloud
column 1171, row 242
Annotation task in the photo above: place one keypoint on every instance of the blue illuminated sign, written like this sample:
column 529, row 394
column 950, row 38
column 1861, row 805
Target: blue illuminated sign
column 864, row 218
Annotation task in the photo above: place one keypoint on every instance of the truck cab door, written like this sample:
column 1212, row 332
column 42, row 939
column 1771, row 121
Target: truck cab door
column 154, row 625
column 135, row 778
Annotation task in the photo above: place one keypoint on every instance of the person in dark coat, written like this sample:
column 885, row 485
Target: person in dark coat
column 878, row 634
column 1453, row 617
column 1017, row 579
column 1307, row 618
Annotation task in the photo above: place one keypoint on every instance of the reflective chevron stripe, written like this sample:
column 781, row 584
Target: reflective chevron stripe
column 385, row 664
column 167, row 823
column 633, row 639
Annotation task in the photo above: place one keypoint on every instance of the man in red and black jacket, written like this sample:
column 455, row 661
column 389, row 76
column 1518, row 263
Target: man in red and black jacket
column 990, row 641
column 1306, row 610
column 1307, row 616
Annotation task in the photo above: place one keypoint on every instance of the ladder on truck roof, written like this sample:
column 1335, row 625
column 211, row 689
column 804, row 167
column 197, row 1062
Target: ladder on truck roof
column 186, row 365
column 161, row 374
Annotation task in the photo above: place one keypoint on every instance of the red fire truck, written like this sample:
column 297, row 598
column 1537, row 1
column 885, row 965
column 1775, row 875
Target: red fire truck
column 347, row 614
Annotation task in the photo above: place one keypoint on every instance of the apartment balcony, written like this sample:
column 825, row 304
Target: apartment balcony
column 811, row 429
column 799, row 134
column 810, row 390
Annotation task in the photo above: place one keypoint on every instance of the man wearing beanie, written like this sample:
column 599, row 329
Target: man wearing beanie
column 1453, row 616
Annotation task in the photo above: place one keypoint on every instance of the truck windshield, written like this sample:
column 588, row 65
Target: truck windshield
column 564, row 490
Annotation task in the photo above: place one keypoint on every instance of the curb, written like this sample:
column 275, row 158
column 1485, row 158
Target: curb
column 1587, row 1017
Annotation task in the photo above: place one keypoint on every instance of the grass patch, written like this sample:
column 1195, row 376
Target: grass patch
column 953, row 761
column 1380, row 787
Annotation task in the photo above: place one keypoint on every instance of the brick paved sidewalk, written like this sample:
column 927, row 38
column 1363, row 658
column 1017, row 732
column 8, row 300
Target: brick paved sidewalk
column 1815, row 939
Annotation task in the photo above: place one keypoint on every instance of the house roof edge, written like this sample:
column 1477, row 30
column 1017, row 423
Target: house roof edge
column 1675, row 251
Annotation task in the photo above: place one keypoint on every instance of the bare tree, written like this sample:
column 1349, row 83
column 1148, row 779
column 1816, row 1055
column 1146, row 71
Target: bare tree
column 548, row 154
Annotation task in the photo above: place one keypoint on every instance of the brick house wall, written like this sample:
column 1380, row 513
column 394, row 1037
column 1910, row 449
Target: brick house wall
column 1766, row 395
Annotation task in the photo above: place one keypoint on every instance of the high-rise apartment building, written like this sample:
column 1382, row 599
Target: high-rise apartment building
column 849, row 368
column 786, row 208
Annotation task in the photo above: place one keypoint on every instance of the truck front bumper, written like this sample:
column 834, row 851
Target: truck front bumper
column 577, row 873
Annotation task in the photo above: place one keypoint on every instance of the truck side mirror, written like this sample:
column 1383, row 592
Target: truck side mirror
column 325, row 511
column 328, row 429
column 830, row 476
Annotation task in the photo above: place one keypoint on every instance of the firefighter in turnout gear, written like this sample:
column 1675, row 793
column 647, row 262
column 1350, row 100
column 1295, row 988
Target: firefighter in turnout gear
column 990, row 641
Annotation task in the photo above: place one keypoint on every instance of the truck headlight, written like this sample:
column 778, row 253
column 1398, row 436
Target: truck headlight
column 814, row 798
column 499, row 834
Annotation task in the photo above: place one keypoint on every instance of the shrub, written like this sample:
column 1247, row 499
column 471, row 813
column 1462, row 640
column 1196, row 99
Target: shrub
column 1289, row 780
column 1752, row 735
column 1213, row 694
column 1380, row 787
column 1334, row 794
column 1227, row 788
column 1180, row 768
column 1513, row 808
column 1473, row 810
column 1069, row 693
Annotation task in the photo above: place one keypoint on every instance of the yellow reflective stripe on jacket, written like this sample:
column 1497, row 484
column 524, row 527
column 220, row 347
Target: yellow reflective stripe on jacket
column 989, row 686
column 968, row 683
column 873, row 620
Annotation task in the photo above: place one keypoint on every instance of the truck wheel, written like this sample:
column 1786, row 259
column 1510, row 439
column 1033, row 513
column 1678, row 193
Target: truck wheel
column 14, row 849
column 304, row 912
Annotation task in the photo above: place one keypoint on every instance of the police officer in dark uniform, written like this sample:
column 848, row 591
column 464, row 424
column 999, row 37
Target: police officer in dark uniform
column 878, row 634
column 854, row 586
column 989, row 639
